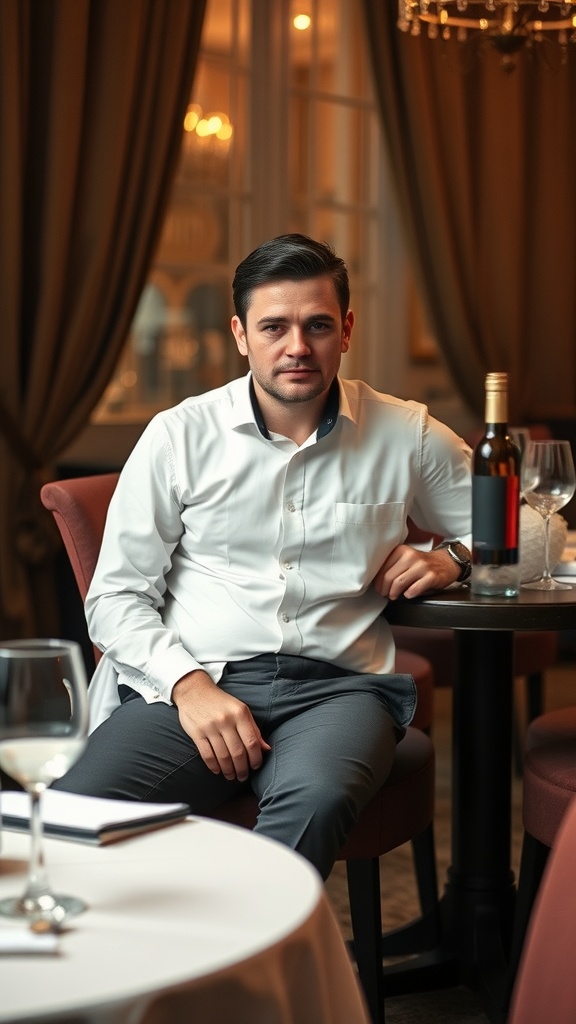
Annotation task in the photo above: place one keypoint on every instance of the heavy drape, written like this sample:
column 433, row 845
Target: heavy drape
column 484, row 163
column 92, row 98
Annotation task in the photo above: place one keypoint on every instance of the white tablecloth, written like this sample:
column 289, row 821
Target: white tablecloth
column 200, row 922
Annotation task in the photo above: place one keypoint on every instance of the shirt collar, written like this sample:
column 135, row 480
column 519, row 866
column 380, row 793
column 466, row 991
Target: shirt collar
column 329, row 416
column 345, row 408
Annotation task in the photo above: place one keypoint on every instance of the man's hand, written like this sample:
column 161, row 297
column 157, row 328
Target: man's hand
column 410, row 572
column 222, row 727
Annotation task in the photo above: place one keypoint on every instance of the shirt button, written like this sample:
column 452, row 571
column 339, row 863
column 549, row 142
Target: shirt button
column 290, row 506
column 285, row 618
column 287, row 565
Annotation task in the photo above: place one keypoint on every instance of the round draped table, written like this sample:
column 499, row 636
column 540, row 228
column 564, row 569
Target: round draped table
column 478, row 905
column 199, row 921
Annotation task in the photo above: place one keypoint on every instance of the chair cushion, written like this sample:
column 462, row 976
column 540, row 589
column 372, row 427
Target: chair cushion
column 549, row 787
column 554, row 725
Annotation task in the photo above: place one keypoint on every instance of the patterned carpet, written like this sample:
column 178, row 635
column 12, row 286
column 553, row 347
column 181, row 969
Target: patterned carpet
column 399, row 901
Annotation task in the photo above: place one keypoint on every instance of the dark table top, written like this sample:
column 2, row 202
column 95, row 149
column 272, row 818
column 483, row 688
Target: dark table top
column 459, row 609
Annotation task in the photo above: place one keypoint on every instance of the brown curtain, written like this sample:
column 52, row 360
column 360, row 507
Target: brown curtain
column 92, row 98
column 484, row 163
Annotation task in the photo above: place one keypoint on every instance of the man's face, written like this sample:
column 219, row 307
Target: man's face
column 294, row 338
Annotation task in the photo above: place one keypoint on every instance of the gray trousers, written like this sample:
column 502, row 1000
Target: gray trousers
column 332, row 738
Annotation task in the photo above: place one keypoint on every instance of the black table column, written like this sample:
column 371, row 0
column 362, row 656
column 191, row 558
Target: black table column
column 480, row 889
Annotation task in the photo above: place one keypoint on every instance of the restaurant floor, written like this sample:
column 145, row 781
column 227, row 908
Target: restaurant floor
column 399, row 902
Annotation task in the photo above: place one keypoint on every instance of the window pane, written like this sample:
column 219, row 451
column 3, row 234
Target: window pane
column 342, row 49
column 218, row 28
column 340, row 159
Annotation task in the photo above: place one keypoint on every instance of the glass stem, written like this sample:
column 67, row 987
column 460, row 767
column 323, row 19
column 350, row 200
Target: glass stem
column 37, row 884
column 546, row 575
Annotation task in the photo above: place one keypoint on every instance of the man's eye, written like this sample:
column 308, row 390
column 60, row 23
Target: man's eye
column 319, row 325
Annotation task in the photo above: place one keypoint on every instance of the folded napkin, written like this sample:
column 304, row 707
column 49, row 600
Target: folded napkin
column 532, row 530
column 22, row 940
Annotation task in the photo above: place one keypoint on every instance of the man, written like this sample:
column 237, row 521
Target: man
column 255, row 536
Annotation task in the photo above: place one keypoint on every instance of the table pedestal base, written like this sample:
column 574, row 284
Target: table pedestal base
column 476, row 910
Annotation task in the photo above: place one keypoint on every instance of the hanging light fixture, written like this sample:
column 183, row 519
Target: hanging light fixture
column 507, row 25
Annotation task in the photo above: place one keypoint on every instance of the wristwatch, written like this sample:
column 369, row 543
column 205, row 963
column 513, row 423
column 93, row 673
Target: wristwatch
column 460, row 554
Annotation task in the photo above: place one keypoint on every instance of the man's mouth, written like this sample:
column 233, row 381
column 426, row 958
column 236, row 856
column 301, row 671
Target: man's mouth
column 298, row 371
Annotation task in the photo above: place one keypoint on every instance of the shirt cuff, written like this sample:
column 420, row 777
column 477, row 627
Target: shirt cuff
column 164, row 671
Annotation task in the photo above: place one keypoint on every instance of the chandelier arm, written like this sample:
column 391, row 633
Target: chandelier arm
column 439, row 12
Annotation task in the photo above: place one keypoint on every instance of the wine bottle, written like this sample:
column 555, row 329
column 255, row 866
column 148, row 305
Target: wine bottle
column 496, row 499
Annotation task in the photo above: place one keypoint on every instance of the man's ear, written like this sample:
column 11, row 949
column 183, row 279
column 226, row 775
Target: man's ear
column 239, row 335
column 347, row 331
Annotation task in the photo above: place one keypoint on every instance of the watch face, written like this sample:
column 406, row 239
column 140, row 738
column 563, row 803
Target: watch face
column 460, row 551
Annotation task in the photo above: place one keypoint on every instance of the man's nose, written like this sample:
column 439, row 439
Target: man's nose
column 297, row 344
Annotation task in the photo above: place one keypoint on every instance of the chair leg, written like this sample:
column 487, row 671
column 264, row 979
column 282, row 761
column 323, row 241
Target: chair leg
column 532, row 864
column 424, row 857
column 534, row 708
column 534, row 695
column 423, row 933
column 517, row 744
column 366, row 915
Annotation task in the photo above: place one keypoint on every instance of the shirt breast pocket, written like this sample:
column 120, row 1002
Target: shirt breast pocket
column 363, row 537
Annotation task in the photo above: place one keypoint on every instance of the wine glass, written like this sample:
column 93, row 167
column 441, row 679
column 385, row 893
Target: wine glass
column 43, row 728
column 548, row 483
column 521, row 437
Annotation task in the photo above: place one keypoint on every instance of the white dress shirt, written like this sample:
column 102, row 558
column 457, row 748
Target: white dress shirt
column 222, row 544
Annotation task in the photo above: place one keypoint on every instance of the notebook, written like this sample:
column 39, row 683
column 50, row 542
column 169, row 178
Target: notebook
column 88, row 819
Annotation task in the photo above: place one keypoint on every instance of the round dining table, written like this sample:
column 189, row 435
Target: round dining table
column 199, row 921
column 477, row 906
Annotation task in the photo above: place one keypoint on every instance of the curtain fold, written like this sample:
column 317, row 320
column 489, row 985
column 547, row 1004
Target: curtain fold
column 483, row 162
column 92, row 99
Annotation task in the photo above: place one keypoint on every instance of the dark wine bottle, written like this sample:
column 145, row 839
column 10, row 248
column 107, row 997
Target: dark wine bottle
column 496, row 499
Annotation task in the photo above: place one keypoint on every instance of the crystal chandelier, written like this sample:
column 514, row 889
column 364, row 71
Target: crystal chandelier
column 506, row 24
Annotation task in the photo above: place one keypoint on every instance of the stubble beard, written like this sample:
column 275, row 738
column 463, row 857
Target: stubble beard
column 309, row 392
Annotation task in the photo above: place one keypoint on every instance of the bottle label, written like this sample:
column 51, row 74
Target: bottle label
column 495, row 513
